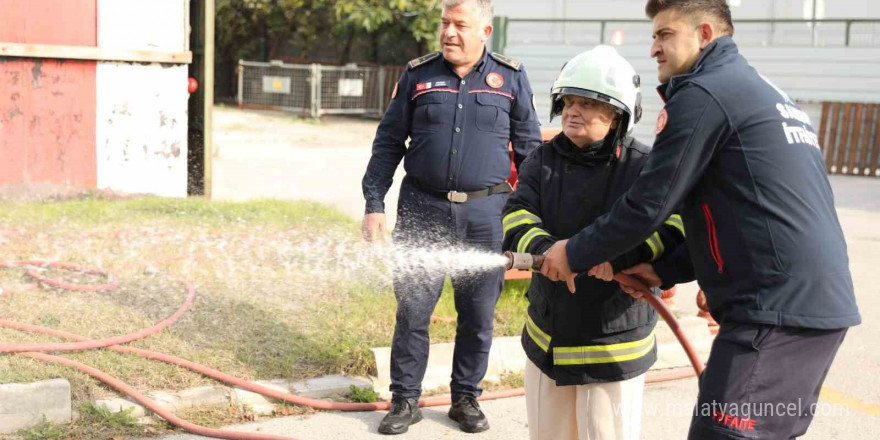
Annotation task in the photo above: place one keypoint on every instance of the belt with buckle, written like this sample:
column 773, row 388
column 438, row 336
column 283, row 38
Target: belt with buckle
column 464, row 197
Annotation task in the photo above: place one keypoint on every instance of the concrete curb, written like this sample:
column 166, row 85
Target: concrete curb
column 320, row 388
column 25, row 405
column 507, row 356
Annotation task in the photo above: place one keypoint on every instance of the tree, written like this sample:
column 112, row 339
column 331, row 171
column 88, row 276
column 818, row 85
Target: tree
column 267, row 29
column 260, row 29
column 249, row 27
column 419, row 19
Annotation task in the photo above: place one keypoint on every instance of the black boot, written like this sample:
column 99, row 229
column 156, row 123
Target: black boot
column 466, row 411
column 404, row 412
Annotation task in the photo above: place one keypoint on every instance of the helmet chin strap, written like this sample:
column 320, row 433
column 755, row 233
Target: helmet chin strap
column 619, row 133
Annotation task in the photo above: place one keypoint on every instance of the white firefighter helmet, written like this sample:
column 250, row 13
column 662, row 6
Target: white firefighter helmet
column 601, row 74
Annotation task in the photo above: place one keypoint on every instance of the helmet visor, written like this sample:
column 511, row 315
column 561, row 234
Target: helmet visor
column 558, row 92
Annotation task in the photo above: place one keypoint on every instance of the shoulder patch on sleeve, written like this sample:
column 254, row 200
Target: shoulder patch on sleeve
column 507, row 61
column 422, row 60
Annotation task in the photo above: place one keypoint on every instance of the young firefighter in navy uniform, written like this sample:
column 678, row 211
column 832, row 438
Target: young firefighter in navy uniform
column 588, row 351
column 460, row 110
column 742, row 163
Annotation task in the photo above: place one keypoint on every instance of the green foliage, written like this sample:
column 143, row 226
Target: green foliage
column 45, row 430
column 244, row 27
column 121, row 419
column 363, row 395
column 96, row 422
column 418, row 18
column 250, row 29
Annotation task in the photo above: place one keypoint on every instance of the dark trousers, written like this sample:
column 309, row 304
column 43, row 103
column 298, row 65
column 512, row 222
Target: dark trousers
column 425, row 221
column 762, row 381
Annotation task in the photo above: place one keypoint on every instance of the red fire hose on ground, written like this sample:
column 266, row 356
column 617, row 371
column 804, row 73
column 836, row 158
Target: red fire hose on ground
column 36, row 351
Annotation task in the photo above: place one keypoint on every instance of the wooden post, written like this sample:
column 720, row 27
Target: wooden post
column 823, row 126
column 853, row 144
column 842, row 147
column 876, row 151
column 208, row 90
column 832, row 140
column 863, row 165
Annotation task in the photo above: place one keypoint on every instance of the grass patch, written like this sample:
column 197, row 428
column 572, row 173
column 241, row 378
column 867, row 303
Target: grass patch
column 95, row 422
column 45, row 430
column 512, row 379
column 91, row 210
column 362, row 395
column 278, row 292
column 216, row 416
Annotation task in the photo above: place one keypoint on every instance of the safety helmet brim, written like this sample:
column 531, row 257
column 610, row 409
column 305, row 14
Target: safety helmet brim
column 559, row 92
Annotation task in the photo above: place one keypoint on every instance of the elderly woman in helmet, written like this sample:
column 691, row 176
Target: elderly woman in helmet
column 589, row 350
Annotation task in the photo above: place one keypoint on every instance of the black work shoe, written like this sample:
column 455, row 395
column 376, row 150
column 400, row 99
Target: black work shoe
column 466, row 411
column 404, row 412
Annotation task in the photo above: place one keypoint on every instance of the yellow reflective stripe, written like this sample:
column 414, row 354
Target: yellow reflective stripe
column 676, row 222
column 517, row 218
column 603, row 354
column 656, row 245
column 525, row 221
column 608, row 347
column 507, row 218
column 541, row 339
column 524, row 242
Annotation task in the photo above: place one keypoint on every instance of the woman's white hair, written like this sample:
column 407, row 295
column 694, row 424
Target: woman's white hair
column 484, row 7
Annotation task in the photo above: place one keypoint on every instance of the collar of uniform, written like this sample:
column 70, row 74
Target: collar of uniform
column 479, row 67
column 594, row 153
column 714, row 52
column 710, row 55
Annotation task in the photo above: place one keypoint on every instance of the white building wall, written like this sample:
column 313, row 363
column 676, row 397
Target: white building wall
column 783, row 53
column 635, row 9
column 142, row 108
column 807, row 74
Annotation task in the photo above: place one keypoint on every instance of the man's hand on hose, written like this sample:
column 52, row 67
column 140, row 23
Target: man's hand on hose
column 556, row 267
column 643, row 273
column 373, row 227
column 602, row 271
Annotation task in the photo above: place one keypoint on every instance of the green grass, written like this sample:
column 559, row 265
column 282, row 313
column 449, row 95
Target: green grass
column 91, row 210
column 95, row 422
column 362, row 395
column 45, row 430
column 261, row 311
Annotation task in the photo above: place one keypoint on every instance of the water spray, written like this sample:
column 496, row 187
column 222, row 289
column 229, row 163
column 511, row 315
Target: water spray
column 511, row 260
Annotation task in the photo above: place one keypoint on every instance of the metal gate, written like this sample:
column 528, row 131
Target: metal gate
column 849, row 134
column 315, row 90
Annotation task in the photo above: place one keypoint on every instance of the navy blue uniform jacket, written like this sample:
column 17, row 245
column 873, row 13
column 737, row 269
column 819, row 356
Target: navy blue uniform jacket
column 459, row 128
column 743, row 162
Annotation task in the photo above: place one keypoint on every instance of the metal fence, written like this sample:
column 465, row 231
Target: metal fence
column 849, row 134
column 316, row 90
column 779, row 32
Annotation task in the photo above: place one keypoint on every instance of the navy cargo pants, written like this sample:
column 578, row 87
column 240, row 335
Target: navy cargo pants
column 423, row 221
column 762, row 381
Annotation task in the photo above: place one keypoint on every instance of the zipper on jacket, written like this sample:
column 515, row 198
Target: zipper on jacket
column 713, row 238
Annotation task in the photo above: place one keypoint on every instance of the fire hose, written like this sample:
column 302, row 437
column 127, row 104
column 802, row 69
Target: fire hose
column 36, row 351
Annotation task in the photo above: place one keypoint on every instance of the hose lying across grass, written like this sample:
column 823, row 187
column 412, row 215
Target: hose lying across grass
column 37, row 351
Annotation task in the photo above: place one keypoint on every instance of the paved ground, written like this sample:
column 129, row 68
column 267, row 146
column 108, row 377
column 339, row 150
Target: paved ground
column 270, row 155
column 262, row 155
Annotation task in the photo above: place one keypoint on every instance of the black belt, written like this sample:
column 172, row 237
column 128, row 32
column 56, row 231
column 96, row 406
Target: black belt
column 464, row 197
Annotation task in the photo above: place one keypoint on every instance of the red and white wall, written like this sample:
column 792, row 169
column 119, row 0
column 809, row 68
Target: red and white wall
column 84, row 98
